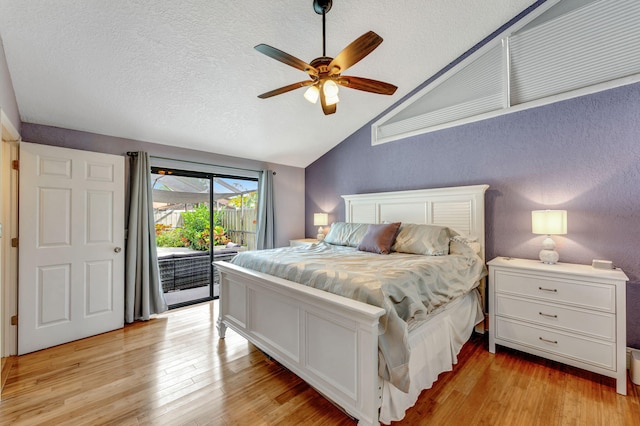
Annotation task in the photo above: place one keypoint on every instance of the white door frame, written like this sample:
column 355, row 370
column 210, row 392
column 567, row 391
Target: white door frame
column 9, row 219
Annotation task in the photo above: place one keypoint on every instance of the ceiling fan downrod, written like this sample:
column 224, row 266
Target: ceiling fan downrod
column 321, row 7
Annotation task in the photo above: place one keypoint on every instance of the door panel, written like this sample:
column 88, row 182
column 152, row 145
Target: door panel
column 54, row 294
column 71, row 272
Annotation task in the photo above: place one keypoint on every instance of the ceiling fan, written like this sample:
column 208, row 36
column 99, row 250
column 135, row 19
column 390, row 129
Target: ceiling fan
column 325, row 72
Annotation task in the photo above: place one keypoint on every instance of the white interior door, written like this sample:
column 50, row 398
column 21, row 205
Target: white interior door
column 71, row 231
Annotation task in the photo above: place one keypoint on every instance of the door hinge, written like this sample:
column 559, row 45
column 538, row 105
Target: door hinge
column 14, row 320
column 14, row 242
column 15, row 164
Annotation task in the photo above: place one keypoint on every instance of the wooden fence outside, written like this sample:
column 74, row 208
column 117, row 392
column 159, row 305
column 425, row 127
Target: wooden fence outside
column 240, row 226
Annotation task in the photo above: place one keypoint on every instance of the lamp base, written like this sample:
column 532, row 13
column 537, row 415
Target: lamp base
column 549, row 256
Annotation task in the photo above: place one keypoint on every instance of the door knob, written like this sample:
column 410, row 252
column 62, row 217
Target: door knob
column 117, row 249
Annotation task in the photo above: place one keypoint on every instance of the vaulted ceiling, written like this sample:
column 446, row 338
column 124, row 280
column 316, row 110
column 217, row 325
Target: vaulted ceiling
column 185, row 73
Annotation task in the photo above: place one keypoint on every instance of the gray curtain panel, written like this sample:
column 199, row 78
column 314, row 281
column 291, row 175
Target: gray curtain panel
column 143, row 290
column 266, row 212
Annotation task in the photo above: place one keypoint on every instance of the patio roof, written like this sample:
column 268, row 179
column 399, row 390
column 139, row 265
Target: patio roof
column 183, row 189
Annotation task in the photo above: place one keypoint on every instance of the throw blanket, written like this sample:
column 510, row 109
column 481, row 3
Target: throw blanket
column 406, row 286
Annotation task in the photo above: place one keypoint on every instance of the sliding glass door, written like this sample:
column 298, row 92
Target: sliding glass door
column 200, row 218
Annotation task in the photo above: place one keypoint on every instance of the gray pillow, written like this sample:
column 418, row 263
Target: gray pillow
column 432, row 240
column 379, row 238
column 346, row 234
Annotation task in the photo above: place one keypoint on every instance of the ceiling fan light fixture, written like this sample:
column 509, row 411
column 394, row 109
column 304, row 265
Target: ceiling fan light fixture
column 312, row 94
column 330, row 88
column 332, row 100
column 325, row 72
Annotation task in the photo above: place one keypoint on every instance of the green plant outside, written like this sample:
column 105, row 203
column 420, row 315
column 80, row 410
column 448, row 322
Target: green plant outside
column 195, row 232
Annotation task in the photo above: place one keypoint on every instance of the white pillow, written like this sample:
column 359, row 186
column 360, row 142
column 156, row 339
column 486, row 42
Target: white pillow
column 431, row 240
column 458, row 244
column 346, row 234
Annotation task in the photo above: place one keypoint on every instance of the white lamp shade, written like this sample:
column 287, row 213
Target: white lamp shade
column 320, row 219
column 330, row 89
column 312, row 94
column 549, row 222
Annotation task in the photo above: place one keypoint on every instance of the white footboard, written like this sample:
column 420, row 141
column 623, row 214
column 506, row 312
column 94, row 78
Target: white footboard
column 329, row 341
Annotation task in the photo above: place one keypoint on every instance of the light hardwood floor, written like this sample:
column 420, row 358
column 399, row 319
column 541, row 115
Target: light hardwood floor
column 173, row 370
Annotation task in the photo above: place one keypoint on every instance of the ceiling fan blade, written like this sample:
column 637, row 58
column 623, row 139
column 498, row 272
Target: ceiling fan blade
column 367, row 85
column 286, row 89
column 285, row 58
column 327, row 109
column 358, row 49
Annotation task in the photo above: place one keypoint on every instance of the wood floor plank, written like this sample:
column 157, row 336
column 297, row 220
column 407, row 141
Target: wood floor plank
column 174, row 370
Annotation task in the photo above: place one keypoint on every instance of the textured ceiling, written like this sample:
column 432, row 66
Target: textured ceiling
column 185, row 73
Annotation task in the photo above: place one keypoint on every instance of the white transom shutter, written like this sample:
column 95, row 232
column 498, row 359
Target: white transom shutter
column 595, row 43
column 475, row 89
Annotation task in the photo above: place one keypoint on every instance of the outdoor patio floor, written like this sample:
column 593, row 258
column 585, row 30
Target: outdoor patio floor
column 182, row 296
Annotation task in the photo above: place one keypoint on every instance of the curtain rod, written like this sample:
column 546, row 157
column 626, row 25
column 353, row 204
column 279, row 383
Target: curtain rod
column 135, row 154
column 204, row 164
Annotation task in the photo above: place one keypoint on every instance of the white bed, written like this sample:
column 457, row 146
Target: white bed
column 330, row 341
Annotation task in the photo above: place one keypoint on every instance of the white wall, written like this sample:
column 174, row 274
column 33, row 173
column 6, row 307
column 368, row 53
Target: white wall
column 288, row 190
column 7, row 95
column 289, row 182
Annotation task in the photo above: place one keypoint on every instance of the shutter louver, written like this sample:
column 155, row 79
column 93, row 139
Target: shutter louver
column 596, row 43
column 475, row 89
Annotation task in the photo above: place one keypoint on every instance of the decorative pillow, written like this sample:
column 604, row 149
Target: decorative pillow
column 432, row 240
column 346, row 234
column 459, row 245
column 379, row 238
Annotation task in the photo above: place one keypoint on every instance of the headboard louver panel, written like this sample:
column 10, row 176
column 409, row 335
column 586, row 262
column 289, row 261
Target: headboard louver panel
column 461, row 208
column 404, row 212
column 456, row 215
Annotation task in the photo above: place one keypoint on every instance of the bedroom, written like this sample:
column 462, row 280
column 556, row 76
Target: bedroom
column 579, row 154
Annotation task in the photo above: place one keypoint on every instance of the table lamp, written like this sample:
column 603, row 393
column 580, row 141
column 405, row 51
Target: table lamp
column 549, row 222
column 320, row 219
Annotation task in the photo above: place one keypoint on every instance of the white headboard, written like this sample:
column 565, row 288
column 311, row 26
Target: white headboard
column 460, row 208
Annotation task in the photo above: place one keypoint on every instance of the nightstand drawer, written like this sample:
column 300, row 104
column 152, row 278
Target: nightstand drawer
column 577, row 293
column 599, row 353
column 592, row 323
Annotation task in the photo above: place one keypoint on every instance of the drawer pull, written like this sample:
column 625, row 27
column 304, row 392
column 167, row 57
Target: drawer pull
column 555, row 342
column 548, row 315
column 554, row 290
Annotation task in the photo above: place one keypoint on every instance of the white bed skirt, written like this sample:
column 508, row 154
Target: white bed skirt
column 434, row 349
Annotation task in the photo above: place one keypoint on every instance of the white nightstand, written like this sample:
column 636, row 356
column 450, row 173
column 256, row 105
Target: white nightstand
column 574, row 314
column 302, row 242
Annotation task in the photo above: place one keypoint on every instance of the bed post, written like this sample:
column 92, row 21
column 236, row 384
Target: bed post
column 222, row 328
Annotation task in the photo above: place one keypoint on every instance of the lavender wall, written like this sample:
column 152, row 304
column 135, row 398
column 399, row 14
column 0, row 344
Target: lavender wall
column 288, row 182
column 582, row 155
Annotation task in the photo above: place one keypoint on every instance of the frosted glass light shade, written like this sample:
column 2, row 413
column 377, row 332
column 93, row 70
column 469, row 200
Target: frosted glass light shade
column 330, row 89
column 549, row 222
column 312, row 94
